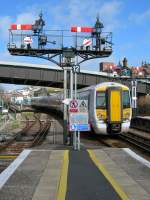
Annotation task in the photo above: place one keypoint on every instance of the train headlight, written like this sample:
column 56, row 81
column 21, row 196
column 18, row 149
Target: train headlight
column 100, row 117
column 127, row 116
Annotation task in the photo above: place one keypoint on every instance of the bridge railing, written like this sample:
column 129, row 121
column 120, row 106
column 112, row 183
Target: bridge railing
column 58, row 39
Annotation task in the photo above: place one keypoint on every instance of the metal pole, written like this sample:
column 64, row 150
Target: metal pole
column 75, row 96
column 75, row 85
column 74, row 133
column 65, row 107
column 74, row 140
column 78, row 140
column 134, row 97
column 71, row 84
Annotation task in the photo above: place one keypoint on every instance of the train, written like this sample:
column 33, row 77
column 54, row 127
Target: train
column 109, row 106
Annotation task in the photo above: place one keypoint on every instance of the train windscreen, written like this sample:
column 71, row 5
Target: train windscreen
column 100, row 100
column 126, row 99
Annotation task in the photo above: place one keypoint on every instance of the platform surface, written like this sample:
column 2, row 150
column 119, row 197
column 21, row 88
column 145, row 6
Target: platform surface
column 85, row 181
column 108, row 173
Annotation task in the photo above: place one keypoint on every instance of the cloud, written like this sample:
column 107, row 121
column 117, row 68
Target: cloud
column 77, row 12
column 4, row 24
column 110, row 12
column 26, row 17
column 6, row 21
column 67, row 13
column 110, row 9
column 140, row 18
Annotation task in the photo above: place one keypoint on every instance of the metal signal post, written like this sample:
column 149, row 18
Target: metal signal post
column 67, row 65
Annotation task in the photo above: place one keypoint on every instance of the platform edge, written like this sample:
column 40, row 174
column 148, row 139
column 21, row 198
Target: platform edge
column 62, row 186
column 110, row 179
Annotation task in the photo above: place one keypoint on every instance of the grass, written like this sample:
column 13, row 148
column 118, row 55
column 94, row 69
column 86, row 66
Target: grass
column 15, row 124
column 27, row 114
column 53, row 90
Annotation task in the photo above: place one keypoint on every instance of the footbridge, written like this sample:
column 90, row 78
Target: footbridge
column 45, row 75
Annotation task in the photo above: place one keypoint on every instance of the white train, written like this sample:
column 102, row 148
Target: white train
column 109, row 106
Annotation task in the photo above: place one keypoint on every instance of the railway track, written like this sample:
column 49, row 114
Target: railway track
column 137, row 140
column 33, row 134
column 6, row 144
column 134, row 140
column 41, row 134
column 30, row 136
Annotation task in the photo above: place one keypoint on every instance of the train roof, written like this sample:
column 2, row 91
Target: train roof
column 104, row 84
column 111, row 84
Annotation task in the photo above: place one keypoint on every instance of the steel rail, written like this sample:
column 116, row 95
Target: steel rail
column 41, row 134
column 137, row 141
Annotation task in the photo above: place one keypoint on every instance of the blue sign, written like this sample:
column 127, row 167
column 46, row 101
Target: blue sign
column 80, row 127
column 74, row 127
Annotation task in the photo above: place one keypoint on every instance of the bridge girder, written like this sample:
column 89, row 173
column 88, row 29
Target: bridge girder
column 24, row 75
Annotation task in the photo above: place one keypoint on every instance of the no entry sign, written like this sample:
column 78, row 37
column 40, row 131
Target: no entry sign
column 73, row 106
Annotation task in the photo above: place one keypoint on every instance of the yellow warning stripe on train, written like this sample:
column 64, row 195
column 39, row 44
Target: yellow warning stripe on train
column 111, row 180
column 7, row 157
column 62, row 187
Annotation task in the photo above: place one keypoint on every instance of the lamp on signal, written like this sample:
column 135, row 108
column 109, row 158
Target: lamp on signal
column 97, row 28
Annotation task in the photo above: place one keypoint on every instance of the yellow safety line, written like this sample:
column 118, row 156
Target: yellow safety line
column 62, row 187
column 7, row 157
column 111, row 180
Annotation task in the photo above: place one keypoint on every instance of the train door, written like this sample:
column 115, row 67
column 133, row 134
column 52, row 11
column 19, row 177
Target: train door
column 114, row 109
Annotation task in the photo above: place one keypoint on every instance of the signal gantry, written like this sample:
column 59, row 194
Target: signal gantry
column 85, row 42
column 61, row 47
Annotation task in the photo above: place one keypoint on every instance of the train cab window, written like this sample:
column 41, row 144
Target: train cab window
column 100, row 100
column 126, row 99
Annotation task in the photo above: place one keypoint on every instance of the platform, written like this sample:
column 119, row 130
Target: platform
column 108, row 173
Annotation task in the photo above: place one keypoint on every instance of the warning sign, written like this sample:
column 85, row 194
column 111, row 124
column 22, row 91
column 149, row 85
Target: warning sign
column 83, row 106
column 87, row 42
column 78, row 106
column 28, row 40
column 78, row 115
column 73, row 106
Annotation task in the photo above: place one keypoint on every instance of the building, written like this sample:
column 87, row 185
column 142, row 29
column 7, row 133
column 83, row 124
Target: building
column 107, row 66
column 138, row 72
column 125, row 70
column 122, row 69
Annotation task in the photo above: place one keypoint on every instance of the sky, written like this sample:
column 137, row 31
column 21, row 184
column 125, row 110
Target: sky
column 128, row 20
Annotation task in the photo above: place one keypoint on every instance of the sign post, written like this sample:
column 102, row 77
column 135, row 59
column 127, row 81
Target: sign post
column 134, row 97
column 67, row 64
column 73, row 108
column 78, row 138
column 65, row 107
column 78, row 120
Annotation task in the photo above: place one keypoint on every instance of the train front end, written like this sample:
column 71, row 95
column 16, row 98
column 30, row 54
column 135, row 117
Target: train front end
column 113, row 109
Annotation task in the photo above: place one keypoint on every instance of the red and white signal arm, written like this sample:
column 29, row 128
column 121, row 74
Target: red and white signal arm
column 21, row 26
column 28, row 40
column 81, row 29
column 87, row 42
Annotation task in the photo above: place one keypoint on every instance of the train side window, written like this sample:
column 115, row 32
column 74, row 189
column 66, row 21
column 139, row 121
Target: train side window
column 126, row 99
column 100, row 100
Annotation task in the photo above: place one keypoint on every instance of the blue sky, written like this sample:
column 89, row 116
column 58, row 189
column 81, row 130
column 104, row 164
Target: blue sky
column 129, row 20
